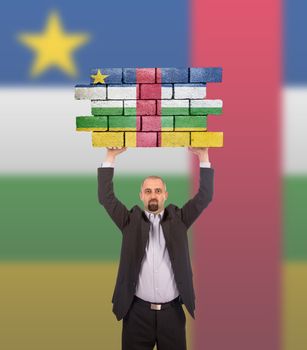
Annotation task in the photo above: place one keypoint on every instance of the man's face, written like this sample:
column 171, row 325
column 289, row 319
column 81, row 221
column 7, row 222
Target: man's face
column 153, row 195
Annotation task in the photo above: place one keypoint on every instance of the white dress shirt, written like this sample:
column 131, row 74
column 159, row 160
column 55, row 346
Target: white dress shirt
column 156, row 281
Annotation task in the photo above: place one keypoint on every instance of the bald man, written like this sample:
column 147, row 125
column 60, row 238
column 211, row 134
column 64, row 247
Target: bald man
column 154, row 277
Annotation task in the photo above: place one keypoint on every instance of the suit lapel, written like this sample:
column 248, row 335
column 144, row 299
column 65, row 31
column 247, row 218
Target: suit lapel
column 145, row 226
column 166, row 226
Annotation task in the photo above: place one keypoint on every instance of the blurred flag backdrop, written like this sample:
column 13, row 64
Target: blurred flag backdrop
column 59, row 251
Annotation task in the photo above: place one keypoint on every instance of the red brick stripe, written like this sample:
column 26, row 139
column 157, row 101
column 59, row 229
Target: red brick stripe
column 148, row 104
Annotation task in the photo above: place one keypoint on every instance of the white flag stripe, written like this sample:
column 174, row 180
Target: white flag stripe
column 206, row 103
column 167, row 92
column 193, row 92
column 39, row 135
column 90, row 93
column 107, row 104
column 294, row 130
column 130, row 104
column 175, row 103
column 121, row 92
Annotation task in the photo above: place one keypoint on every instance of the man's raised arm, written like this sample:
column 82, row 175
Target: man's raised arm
column 194, row 207
column 114, row 207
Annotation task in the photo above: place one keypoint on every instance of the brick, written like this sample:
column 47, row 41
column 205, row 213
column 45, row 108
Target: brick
column 140, row 107
column 152, row 123
column 205, row 107
column 107, row 107
column 146, row 139
column 206, row 75
column 117, row 123
column 167, row 91
column 145, row 75
column 206, row 139
column 167, row 123
column 175, row 139
column 122, row 92
column 156, row 123
column 174, row 75
column 107, row 139
column 129, row 75
column 139, row 75
column 130, row 139
column 115, row 75
column 85, row 123
column 146, row 107
column 191, row 91
column 150, row 91
column 174, row 107
column 130, row 107
column 88, row 92
column 190, row 123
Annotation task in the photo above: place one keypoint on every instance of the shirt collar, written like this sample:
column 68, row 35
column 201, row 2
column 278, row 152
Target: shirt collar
column 148, row 213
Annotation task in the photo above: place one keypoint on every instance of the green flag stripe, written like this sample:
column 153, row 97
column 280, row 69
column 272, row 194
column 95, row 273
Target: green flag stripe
column 59, row 218
column 295, row 224
column 91, row 122
column 206, row 110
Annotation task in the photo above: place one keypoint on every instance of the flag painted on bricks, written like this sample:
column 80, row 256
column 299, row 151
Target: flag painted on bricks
column 150, row 107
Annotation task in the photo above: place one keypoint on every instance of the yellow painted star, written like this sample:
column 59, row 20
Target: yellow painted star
column 99, row 78
column 53, row 47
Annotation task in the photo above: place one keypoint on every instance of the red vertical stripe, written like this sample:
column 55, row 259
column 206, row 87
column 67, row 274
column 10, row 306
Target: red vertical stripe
column 147, row 92
column 237, row 243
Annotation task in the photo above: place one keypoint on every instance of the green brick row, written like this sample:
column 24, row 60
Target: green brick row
column 165, row 111
column 134, row 123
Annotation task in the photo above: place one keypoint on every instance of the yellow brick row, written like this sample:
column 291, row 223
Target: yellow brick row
column 168, row 139
column 175, row 139
column 206, row 139
column 108, row 139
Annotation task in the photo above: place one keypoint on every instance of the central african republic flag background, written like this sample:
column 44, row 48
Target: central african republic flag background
column 59, row 251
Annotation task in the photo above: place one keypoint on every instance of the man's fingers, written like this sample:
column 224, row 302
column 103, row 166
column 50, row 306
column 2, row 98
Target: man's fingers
column 116, row 147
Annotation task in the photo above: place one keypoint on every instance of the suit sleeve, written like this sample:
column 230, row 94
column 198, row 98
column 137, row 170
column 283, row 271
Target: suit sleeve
column 114, row 207
column 194, row 207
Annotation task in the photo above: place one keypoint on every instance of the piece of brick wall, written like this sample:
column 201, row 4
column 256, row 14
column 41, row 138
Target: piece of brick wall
column 150, row 107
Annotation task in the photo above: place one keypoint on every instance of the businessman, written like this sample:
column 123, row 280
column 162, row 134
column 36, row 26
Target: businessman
column 154, row 277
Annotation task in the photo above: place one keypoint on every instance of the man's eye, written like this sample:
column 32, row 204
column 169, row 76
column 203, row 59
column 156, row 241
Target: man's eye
column 158, row 191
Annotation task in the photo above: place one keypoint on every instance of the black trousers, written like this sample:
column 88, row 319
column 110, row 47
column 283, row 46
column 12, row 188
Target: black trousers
column 143, row 328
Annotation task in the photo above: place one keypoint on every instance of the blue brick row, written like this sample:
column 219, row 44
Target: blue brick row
column 169, row 75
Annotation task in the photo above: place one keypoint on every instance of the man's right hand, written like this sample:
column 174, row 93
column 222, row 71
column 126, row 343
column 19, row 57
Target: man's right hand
column 112, row 152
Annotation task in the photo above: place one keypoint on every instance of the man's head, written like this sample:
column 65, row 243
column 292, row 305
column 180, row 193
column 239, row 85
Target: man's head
column 153, row 193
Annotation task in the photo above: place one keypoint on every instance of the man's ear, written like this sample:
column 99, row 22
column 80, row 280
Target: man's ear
column 140, row 195
column 166, row 195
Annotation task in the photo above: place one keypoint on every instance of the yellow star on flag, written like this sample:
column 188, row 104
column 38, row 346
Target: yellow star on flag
column 53, row 47
column 99, row 78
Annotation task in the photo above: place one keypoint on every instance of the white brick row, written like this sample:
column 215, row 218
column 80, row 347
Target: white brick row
column 175, row 103
column 121, row 92
column 130, row 104
column 167, row 92
column 90, row 93
column 106, row 104
column 189, row 91
column 206, row 103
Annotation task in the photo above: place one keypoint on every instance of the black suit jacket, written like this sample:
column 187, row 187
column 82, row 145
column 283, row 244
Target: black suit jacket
column 134, row 226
